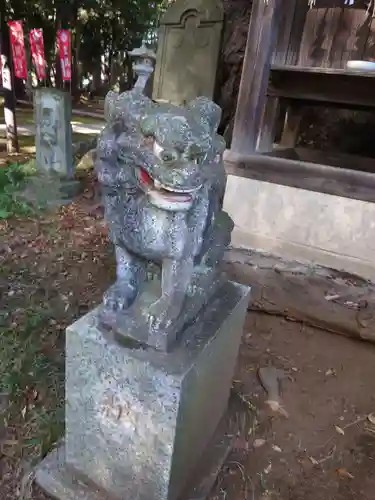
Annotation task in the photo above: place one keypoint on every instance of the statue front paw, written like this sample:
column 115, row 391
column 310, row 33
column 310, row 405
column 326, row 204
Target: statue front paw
column 162, row 313
column 160, row 318
column 119, row 296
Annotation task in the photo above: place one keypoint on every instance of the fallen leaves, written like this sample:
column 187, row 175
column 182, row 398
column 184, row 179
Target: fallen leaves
column 339, row 430
column 370, row 425
column 344, row 474
column 330, row 373
column 276, row 407
column 258, row 443
column 268, row 469
column 240, row 444
column 45, row 261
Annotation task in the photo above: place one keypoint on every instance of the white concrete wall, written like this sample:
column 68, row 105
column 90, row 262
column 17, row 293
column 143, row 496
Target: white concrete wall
column 302, row 225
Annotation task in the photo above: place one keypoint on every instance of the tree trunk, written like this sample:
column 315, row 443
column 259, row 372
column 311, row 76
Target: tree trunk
column 97, row 77
column 19, row 89
column 58, row 73
column 237, row 16
column 29, row 83
column 77, row 60
column 127, row 80
column 75, row 83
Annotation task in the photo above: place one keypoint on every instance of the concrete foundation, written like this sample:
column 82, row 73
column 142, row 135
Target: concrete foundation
column 301, row 225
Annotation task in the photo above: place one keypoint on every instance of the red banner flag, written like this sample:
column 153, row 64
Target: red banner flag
column 64, row 45
column 37, row 52
column 18, row 49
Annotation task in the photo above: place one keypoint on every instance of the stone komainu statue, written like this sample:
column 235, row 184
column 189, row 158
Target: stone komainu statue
column 163, row 181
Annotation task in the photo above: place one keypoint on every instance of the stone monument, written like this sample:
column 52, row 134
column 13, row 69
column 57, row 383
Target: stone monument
column 148, row 373
column 53, row 136
column 188, row 51
column 54, row 183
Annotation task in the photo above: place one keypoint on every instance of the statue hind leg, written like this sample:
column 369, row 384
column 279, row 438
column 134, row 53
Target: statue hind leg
column 175, row 279
column 216, row 240
column 130, row 271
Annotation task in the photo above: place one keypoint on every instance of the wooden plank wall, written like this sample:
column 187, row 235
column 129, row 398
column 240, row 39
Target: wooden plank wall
column 327, row 36
column 285, row 29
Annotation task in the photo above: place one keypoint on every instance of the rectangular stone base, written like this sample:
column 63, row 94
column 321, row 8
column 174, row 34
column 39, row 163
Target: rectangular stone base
column 47, row 191
column 64, row 483
column 138, row 420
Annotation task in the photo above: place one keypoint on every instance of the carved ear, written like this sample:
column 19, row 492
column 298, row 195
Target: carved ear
column 148, row 126
column 207, row 111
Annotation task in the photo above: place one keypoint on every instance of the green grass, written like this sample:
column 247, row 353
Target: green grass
column 29, row 379
column 12, row 179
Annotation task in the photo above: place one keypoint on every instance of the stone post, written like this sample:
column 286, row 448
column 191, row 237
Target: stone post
column 54, row 183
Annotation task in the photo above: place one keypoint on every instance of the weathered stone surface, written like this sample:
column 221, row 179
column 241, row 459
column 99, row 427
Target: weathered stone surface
column 188, row 50
column 53, row 184
column 49, row 190
column 63, row 483
column 134, row 323
column 143, row 67
column 138, row 420
column 53, row 139
column 163, row 180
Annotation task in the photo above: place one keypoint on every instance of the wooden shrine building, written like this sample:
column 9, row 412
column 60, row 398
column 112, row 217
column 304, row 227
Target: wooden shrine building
column 301, row 203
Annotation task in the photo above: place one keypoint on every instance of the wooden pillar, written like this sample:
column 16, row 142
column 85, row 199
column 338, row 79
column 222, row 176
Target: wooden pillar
column 261, row 41
column 292, row 123
column 266, row 136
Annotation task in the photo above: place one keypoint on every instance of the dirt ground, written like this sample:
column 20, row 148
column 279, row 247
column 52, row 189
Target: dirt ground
column 324, row 449
column 55, row 267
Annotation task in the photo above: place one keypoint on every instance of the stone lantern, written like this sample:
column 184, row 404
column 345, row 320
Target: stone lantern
column 143, row 66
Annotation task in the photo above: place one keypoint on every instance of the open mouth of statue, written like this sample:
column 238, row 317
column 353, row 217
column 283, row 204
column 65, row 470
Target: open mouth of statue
column 177, row 198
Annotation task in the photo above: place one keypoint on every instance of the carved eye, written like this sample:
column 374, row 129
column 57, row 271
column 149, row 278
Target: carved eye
column 149, row 140
column 198, row 158
column 167, row 156
column 121, row 155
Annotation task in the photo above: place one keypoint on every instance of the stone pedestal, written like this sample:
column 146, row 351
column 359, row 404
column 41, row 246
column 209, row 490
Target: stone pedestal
column 50, row 191
column 139, row 422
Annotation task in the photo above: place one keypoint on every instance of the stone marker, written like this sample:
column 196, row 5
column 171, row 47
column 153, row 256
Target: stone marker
column 54, row 183
column 53, row 137
column 188, row 51
column 149, row 372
